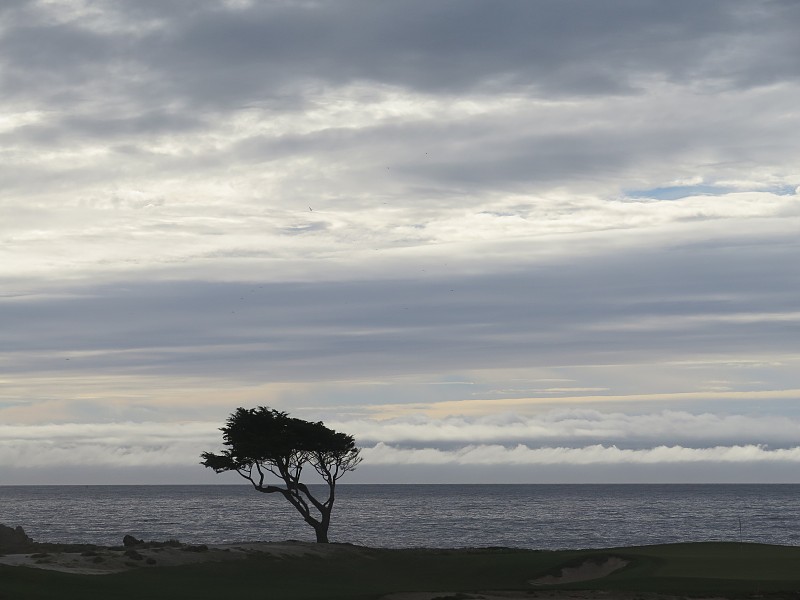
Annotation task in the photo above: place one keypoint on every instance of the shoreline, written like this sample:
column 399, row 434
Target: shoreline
column 105, row 560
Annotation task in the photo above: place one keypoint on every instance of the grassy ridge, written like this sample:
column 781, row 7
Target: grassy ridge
column 706, row 568
column 699, row 568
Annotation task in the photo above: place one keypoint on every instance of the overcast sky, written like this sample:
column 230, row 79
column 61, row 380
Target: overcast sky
column 518, row 241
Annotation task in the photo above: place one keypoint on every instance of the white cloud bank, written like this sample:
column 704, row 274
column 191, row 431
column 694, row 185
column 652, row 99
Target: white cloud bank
column 112, row 444
column 555, row 438
column 494, row 454
column 571, row 427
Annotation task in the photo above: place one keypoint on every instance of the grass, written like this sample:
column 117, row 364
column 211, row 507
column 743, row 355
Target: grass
column 701, row 569
column 706, row 568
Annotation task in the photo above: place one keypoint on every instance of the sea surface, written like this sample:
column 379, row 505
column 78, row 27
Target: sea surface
column 401, row 516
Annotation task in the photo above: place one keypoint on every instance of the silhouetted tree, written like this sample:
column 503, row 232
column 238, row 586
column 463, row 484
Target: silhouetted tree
column 264, row 441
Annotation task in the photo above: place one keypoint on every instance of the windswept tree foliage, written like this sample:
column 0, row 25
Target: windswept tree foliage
column 263, row 441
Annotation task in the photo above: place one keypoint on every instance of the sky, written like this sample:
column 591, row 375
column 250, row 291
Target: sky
column 545, row 241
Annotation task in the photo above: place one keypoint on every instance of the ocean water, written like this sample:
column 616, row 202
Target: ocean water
column 398, row 516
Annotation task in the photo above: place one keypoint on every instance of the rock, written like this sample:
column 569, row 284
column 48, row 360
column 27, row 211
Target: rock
column 14, row 540
column 129, row 541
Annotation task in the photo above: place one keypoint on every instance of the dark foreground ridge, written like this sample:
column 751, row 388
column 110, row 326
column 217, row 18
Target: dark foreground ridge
column 292, row 570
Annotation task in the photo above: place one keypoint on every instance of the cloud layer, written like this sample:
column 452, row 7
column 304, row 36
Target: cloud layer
column 352, row 209
column 606, row 455
column 143, row 137
column 572, row 438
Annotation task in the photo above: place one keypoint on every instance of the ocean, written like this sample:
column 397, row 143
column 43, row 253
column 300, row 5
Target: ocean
column 402, row 516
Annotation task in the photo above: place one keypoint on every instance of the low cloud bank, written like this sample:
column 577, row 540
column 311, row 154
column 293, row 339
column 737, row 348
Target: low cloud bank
column 580, row 427
column 562, row 437
column 108, row 444
column 596, row 454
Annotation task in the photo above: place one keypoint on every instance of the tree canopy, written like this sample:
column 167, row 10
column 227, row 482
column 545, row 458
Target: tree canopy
column 263, row 441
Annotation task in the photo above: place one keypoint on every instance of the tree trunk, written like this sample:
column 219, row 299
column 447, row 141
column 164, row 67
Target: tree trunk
column 322, row 534
column 321, row 526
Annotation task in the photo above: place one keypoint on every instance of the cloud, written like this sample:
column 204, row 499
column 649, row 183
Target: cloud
column 111, row 444
column 604, row 194
column 557, row 446
column 604, row 304
column 499, row 98
column 192, row 139
column 579, row 427
column 226, row 53
column 555, row 437
column 523, row 455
